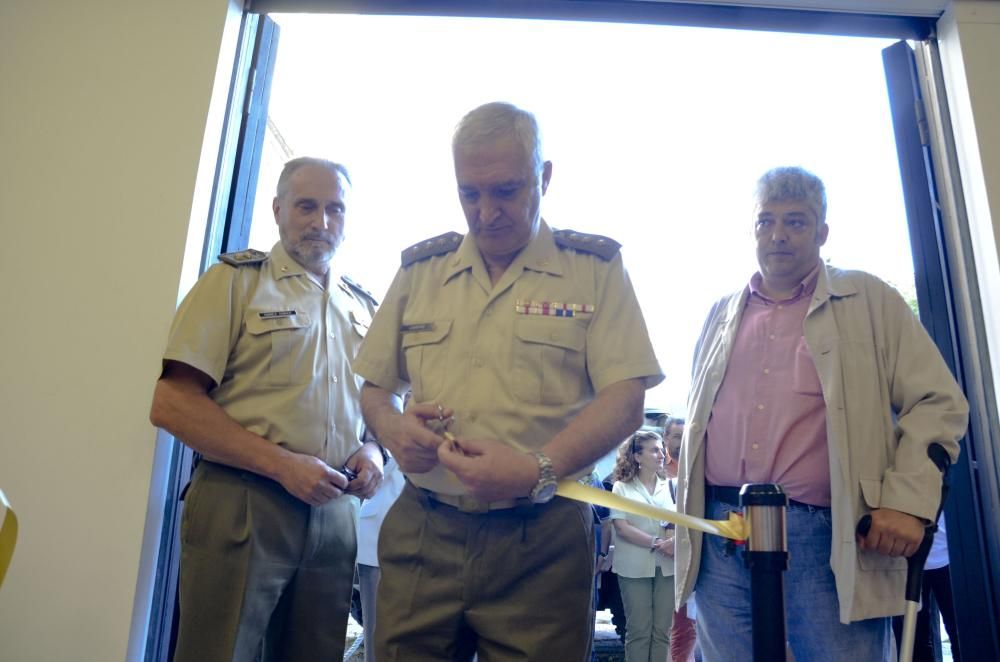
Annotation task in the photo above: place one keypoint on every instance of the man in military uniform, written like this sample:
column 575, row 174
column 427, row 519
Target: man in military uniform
column 528, row 358
column 257, row 378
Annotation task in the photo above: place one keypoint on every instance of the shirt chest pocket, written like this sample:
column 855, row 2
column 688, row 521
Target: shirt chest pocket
column 549, row 361
column 285, row 344
column 425, row 352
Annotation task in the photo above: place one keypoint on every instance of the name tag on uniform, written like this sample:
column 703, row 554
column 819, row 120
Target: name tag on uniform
column 417, row 328
column 277, row 314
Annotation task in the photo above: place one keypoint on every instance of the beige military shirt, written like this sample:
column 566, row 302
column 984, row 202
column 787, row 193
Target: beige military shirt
column 278, row 347
column 517, row 361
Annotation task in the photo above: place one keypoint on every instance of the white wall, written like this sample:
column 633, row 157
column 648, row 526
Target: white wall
column 107, row 137
column 104, row 107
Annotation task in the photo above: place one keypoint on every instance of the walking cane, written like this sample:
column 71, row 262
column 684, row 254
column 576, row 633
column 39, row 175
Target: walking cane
column 915, row 564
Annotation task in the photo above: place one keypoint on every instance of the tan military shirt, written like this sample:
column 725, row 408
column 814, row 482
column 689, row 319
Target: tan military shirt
column 512, row 367
column 279, row 347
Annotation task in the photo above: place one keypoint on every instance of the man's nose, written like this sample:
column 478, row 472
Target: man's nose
column 488, row 210
column 779, row 234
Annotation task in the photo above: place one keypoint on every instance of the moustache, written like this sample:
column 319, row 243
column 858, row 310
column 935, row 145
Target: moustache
column 318, row 236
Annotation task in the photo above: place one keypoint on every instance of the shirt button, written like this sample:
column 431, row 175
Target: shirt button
column 760, row 407
column 780, row 307
column 336, row 379
column 767, row 371
column 332, row 335
column 472, row 418
column 771, row 336
column 755, row 446
column 477, row 362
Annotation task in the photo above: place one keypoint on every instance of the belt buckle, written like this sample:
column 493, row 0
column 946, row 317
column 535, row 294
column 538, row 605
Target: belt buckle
column 468, row 504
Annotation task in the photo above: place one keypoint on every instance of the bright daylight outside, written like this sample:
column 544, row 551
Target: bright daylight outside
column 656, row 139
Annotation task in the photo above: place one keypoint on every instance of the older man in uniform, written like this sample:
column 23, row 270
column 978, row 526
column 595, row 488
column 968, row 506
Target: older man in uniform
column 257, row 378
column 823, row 381
column 529, row 346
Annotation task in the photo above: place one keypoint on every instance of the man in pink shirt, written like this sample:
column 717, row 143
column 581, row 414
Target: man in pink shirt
column 824, row 382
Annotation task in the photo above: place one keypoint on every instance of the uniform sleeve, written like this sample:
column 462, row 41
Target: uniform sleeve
column 619, row 489
column 618, row 345
column 380, row 360
column 207, row 323
column 929, row 407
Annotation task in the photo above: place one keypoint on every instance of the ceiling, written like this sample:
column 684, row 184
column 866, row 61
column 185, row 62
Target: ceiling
column 928, row 8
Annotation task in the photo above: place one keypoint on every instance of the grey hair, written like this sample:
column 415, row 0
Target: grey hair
column 302, row 161
column 498, row 119
column 792, row 183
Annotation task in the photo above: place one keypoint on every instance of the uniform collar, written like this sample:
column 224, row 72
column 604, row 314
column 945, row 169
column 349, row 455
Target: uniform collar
column 282, row 264
column 541, row 254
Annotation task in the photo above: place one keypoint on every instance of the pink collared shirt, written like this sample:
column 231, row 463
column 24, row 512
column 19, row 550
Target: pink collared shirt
column 768, row 421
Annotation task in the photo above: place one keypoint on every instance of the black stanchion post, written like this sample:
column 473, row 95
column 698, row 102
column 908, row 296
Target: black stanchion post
column 766, row 555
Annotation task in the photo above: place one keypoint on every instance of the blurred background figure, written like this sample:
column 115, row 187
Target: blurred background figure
column 682, row 632
column 369, row 523
column 644, row 549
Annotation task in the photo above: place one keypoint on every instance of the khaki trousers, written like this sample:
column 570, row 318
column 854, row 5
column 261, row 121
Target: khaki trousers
column 649, row 612
column 508, row 584
column 256, row 561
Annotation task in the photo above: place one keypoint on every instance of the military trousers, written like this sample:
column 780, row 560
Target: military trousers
column 512, row 584
column 262, row 570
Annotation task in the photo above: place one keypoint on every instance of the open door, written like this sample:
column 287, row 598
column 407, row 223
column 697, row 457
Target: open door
column 974, row 568
column 228, row 227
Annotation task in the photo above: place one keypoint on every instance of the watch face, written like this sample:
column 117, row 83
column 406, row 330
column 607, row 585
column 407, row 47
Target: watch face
column 545, row 493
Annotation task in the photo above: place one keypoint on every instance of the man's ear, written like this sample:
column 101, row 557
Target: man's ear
column 821, row 233
column 546, row 175
column 274, row 208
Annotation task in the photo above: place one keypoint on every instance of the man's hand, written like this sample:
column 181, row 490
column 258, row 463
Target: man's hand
column 492, row 471
column 310, row 479
column 411, row 442
column 893, row 533
column 367, row 464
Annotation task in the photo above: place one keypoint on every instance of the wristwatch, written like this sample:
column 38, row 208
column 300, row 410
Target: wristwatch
column 545, row 489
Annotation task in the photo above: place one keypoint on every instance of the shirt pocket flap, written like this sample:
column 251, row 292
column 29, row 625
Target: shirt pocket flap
column 428, row 334
column 555, row 332
column 257, row 325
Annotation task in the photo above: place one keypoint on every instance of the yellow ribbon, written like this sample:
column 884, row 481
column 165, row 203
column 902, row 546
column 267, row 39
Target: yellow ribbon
column 735, row 527
column 8, row 534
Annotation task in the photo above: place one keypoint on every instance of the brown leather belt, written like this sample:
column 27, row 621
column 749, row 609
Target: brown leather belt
column 468, row 504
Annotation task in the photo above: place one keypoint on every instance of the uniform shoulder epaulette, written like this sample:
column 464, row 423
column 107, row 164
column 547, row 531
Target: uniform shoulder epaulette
column 603, row 247
column 357, row 289
column 439, row 245
column 240, row 258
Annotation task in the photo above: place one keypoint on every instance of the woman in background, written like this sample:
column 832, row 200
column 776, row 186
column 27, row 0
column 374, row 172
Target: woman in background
column 644, row 549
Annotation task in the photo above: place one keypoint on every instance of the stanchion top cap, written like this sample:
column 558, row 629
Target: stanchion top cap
column 762, row 494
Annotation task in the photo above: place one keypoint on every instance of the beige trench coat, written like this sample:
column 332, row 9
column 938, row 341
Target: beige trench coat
column 888, row 396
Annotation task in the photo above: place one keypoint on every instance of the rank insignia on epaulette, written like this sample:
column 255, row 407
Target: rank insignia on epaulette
column 603, row 247
column 357, row 289
column 239, row 258
column 439, row 245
